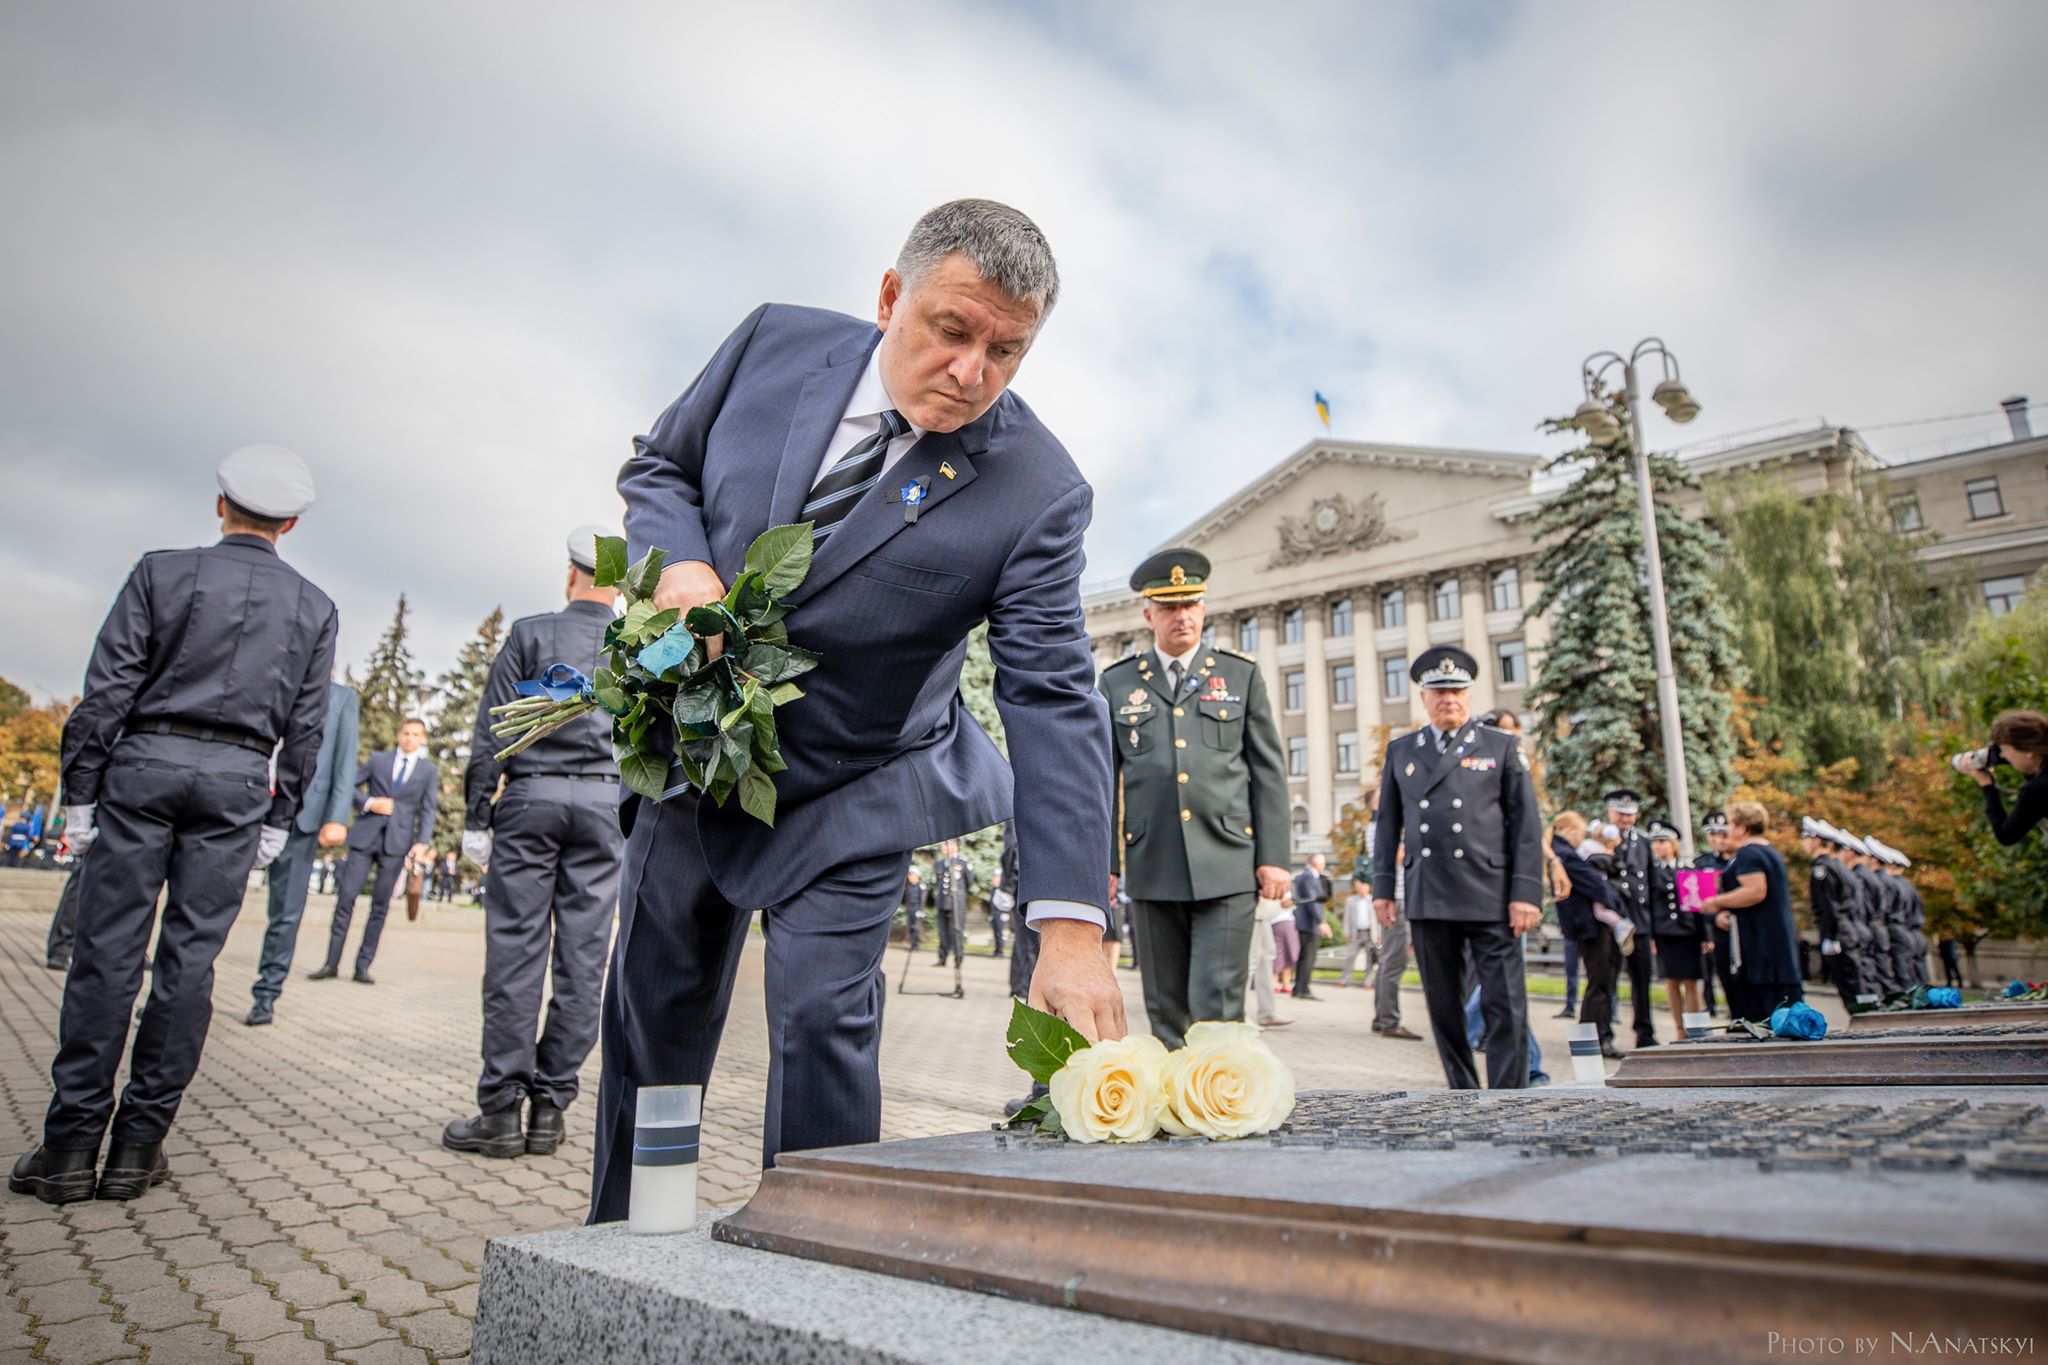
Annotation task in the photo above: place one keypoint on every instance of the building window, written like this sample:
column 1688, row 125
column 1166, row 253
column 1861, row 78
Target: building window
column 1347, row 751
column 1300, row 823
column 1984, row 498
column 1906, row 512
column 1444, row 602
column 1393, row 609
column 1297, row 756
column 1340, row 617
column 1248, row 635
column 1344, row 685
column 1297, row 690
column 1290, row 626
column 2001, row 595
column 1507, row 589
column 1209, row 637
column 1511, row 661
column 1394, row 677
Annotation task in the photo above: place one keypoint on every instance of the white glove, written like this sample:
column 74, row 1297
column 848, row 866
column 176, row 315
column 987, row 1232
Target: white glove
column 269, row 844
column 1829, row 948
column 79, row 830
column 476, row 846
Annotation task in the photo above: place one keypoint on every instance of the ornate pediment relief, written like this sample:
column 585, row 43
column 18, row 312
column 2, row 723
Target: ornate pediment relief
column 1334, row 525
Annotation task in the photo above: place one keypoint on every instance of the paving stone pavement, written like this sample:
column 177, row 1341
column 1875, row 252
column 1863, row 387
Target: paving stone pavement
column 312, row 1214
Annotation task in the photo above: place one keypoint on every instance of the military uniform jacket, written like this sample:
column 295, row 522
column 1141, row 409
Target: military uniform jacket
column 1666, row 919
column 952, row 879
column 1466, row 822
column 1834, row 903
column 1632, row 877
column 574, row 636
column 1203, row 784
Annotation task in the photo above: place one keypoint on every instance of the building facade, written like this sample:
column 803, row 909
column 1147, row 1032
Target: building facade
column 1342, row 563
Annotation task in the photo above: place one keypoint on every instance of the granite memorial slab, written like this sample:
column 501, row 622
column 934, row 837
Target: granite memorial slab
column 1685, row 1225
column 2003, row 1053
column 1967, row 1016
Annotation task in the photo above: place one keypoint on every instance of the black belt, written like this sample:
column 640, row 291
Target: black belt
column 573, row 777
column 216, row 734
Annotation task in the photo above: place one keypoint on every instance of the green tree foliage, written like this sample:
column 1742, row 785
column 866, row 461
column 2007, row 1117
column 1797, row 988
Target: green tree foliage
column 2002, row 665
column 14, row 700
column 983, row 848
column 456, row 696
column 1838, row 622
column 390, row 688
column 1595, row 690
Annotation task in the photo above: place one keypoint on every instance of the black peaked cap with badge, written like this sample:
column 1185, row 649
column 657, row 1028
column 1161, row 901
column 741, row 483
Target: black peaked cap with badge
column 1445, row 668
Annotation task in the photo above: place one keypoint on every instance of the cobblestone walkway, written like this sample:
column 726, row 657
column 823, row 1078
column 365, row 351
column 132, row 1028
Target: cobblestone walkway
column 312, row 1214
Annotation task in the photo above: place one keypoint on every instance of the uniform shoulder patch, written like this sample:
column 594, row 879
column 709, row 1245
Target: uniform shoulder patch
column 1236, row 654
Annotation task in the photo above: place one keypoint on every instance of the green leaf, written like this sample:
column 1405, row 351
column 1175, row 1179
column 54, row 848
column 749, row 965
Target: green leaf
column 784, row 693
column 757, row 795
column 747, row 597
column 782, row 556
column 1051, row 1122
column 611, row 561
column 696, row 709
column 1032, row 1114
column 692, row 769
column 613, row 699
column 773, row 633
column 643, row 577
column 710, row 620
column 777, row 663
column 644, row 773
column 737, row 746
column 1040, row 1043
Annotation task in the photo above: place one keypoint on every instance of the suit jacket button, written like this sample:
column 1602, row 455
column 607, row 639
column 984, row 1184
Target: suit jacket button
column 1425, row 829
column 1187, row 814
column 1223, row 713
column 1247, row 829
column 1180, row 744
column 1457, row 801
column 1183, row 779
column 1178, row 712
column 1425, row 853
column 1457, row 829
column 1425, row 805
column 1457, row 853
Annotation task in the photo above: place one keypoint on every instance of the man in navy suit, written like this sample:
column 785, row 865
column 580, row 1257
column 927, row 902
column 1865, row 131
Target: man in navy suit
column 323, row 823
column 399, row 797
column 938, row 501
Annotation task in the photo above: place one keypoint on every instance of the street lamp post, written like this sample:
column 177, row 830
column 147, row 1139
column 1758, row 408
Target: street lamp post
column 1598, row 423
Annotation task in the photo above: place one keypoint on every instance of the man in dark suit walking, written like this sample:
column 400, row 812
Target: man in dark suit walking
column 399, row 796
column 322, row 823
column 1456, row 799
column 1311, row 894
column 937, row 501
column 952, row 883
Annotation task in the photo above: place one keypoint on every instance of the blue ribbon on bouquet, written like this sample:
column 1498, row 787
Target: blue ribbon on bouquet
column 1799, row 1020
column 559, row 683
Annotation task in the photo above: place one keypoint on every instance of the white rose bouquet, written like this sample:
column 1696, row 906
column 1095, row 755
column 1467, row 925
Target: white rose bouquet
column 1226, row 1083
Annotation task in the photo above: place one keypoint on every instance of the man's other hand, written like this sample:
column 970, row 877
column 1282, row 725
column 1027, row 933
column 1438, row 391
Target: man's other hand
column 333, row 834
column 1522, row 916
column 419, row 854
column 1112, row 893
column 1272, row 882
column 1073, row 981
column 1385, row 911
column 379, row 805
column 691, row 583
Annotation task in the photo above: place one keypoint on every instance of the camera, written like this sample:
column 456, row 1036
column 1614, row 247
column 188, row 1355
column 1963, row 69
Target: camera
column 1977, row 760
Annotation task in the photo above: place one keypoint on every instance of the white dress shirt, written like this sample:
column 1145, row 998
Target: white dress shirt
column 402, row 764
column 863, row 418
column 1186, row 662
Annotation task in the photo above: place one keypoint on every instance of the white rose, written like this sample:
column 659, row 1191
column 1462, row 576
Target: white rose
column 1111, row 1092
column 1226, row 1083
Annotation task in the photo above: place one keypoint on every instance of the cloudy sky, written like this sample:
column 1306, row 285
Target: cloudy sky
column 458, row 254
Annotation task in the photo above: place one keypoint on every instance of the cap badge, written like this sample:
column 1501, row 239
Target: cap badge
column 1179, row 576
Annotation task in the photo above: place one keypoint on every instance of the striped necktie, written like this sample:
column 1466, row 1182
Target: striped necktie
column 855, row 472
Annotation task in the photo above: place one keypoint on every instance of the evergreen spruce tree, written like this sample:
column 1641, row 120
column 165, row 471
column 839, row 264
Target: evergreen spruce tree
column 457, row 693
column 984, row 848
column 391, row 687
column 1595, row 689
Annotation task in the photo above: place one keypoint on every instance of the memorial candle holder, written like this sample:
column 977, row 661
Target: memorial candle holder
column 667, row 1121
column 1587, row 1066
column 1698, row 1023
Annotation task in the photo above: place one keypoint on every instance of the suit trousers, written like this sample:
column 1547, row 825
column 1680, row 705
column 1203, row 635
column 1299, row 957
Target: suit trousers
column 174, row 810
column 678, row 946
column 1386, row 1002
column 952, row 928
column 554, row 889
column 1601, row 957
column 1642, row 991
column 913, row 925
column 287, row 876
column 1440, row 945
column 1191, row 958
column 1262, row 971
column 347, row 886
column 1305, row 969
column 995, row 925
column 64, row 923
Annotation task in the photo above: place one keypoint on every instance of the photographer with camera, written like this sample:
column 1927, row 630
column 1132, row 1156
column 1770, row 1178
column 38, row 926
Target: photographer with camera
column 2020, row 740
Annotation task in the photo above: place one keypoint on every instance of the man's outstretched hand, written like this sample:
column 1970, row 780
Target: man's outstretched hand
column 691, row 583
column 1074, row 981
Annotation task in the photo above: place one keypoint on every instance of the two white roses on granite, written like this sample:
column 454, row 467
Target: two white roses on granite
column 1226, row 1083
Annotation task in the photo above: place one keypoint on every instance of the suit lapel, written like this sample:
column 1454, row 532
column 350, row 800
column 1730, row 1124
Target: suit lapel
column 875, row 520
column 819, row 406
column 1460, row 744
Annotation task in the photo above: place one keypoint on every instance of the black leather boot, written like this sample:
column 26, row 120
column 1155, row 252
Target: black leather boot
column 544, row 1127
column 496, row 1134
column 323, row 973
column 55, row 1177
column 132, row 1167
column 1038, row 1092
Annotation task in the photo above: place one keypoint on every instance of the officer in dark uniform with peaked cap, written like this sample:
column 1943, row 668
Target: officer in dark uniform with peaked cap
column 1203, row 809
column 1456, row 800
column 1632, row 865
column 551, row 848
column 212, row 661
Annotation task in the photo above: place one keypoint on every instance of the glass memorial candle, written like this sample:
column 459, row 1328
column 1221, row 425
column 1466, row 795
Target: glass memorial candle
column 1587, row 1067
column 665, row 1136
column 1698, row 1023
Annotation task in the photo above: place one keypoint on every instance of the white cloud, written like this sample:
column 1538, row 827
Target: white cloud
column 457, row 255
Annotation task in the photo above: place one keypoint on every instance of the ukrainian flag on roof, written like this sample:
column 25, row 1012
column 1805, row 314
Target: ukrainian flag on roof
column 1323, row 410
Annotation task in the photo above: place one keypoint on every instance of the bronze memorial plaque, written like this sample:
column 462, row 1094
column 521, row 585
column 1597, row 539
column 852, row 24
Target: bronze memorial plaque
column 1518, row 1226
column 1905, row 1054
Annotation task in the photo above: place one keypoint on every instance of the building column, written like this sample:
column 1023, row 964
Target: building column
column 1420, row 604
column 1267, row 656
column 1366, row 659
column 1474, row 597
column 1322, row 748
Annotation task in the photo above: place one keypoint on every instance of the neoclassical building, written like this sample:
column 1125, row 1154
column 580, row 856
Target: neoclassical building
column 1346, row 560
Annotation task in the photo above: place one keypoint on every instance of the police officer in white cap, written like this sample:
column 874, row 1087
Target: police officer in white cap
column 549, row 838
column 211, row 660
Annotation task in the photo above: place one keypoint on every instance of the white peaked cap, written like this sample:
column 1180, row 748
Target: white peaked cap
column 583, row 546
column 267, row 480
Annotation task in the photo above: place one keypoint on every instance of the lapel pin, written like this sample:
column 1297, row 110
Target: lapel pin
column 1410, row 772
column 912, row 496
column 946, row 468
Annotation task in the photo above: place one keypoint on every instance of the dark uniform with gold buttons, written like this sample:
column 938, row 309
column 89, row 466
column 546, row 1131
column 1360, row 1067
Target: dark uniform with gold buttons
column 1459, row 808
column 1203, row 805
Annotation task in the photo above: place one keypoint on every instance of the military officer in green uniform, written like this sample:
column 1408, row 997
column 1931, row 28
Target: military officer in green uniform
column 1203, row 802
